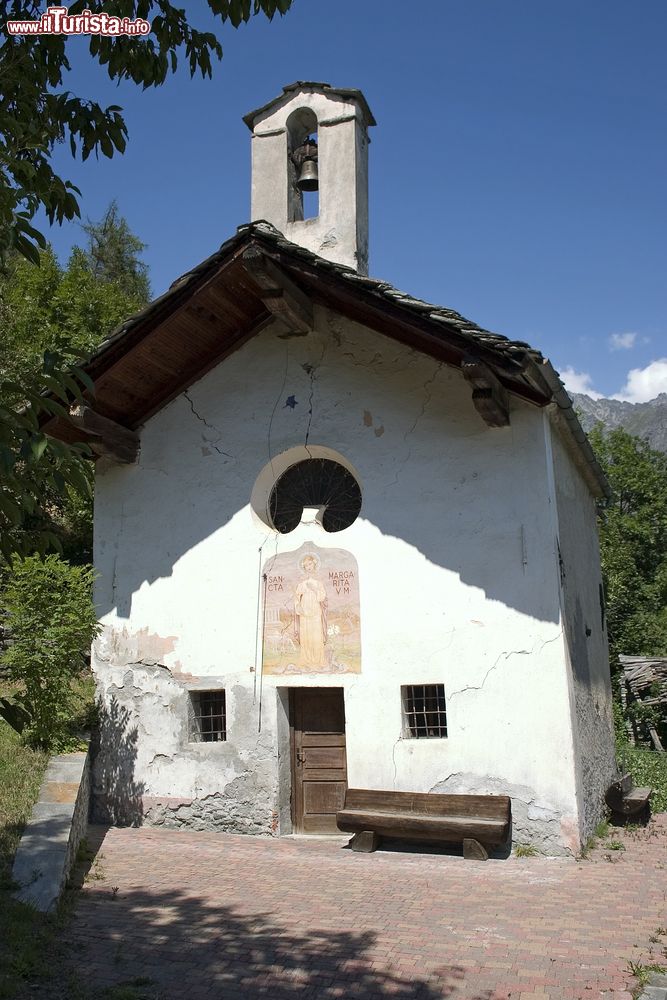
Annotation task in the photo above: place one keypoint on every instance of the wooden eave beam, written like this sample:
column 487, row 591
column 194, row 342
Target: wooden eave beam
column 489, row 397
column 280, row 295
column 198, row 371
column 105, row 436
column 288, row 288
column 416, row 331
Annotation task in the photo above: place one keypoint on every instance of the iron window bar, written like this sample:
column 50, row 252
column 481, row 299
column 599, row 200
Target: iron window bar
column 208, row 722
column 424, row 711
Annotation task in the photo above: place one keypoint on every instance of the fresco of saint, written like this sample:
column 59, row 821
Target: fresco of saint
column 310, row 620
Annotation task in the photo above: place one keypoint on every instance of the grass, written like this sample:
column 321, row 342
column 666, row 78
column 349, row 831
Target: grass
column 602, row 830
column 615, row 845
column 647, row 767
column 586, row 848
column 21, row 772
column 642, row 974
column 525, row 851
column 22, row 951
column 31, row 954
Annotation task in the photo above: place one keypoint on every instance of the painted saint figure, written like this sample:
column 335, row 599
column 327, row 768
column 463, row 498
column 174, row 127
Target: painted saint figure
column 310, row 605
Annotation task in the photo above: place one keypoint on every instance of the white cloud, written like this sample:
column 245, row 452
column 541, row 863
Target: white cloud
column 643, row 384
column 578, row 382
column 622, row 341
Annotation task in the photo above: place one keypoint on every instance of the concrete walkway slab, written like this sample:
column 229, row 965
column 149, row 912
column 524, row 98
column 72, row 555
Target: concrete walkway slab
column 206, row 916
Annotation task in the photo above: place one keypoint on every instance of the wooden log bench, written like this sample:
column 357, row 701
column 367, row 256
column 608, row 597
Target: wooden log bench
column 626, row 801
column 477, row 821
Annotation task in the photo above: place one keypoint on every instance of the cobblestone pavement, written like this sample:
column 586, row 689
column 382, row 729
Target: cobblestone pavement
column 206, row 916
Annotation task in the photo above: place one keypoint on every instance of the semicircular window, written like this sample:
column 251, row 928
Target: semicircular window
column 315, row 482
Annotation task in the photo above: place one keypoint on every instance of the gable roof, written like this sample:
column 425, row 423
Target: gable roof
column 213, row 309
column 303, row 85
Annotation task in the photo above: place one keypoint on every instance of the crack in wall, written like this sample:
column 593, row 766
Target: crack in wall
column 393, row 757
column 275, row 407
column 114, row 570
column 311, row 371
column 336, row 328
column 311, row 375
column 211, row 427
column 427, row 399
column 506, row 654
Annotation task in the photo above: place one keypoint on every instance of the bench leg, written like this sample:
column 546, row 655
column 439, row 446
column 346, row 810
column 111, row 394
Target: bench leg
column 473, row 850
column 365, row 841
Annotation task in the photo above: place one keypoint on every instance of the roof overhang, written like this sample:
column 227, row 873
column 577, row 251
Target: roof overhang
column 214, row 309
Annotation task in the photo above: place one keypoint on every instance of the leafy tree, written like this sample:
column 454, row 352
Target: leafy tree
column 50, row 314
column 53, row 622
column 36, row 113
column 36, row 472
column 112, row 255
column 68, row 311
column 633, row 543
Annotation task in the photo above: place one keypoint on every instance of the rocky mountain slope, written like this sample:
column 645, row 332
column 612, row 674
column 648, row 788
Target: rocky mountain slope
column 647, row 420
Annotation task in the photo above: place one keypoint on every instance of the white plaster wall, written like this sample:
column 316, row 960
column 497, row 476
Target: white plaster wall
column 458, row 583
column 586, row 636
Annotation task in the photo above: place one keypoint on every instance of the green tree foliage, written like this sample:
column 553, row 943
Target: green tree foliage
column 113, row 255
column 50, row 314
column 633, row 543
column 68, row 311
column 37, row 113
column 53, row 623
column 36, row 472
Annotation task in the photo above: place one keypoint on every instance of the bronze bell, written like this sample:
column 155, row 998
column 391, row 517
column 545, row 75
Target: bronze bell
column 308, row 178
column 305, row 161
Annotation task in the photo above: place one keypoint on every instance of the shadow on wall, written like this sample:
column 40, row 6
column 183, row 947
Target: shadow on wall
column 116, row 796
column 170, row 938
column 473, row 528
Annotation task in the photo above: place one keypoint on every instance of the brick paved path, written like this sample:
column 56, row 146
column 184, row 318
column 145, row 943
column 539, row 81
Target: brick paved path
column 206, row 916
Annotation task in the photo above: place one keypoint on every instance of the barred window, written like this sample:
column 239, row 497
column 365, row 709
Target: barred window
column 208, row 717
column 424, row 712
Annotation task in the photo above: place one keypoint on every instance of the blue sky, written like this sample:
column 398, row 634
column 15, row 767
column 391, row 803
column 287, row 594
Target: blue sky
column 518, row 166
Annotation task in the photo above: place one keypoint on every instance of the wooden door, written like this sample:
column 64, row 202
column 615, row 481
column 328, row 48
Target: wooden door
column 319, row 766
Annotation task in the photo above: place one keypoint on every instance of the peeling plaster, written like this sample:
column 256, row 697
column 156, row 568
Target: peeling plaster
column 120, row 647
column 368, row 422
column 330, row 240
column 534, row 820
column 229, row 785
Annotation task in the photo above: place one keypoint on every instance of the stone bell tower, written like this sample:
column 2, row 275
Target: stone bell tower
column 310, row 169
